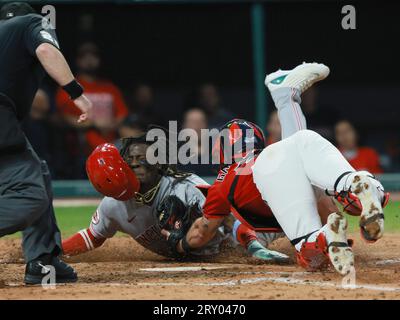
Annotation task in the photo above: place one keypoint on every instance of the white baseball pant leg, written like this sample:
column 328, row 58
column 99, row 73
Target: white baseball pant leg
column 285, row 172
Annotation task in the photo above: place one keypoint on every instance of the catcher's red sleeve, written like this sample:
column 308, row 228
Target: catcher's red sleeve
column 216, row 205
column 81, row 242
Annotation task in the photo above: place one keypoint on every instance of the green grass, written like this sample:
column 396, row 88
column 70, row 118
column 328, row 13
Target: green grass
column 392, row 218
column 71, row 220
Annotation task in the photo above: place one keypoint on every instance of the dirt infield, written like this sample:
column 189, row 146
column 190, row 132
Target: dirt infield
column 115, row 271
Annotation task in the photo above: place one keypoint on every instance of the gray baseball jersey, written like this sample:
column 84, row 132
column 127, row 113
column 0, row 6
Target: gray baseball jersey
column 140, row 221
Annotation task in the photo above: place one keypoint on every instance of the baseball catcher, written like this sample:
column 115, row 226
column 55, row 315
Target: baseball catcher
column 141, row 200
column 275, row 187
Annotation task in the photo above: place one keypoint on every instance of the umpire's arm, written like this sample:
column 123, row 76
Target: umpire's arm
column 54, row 63
column 57, row 67
column 42, row 43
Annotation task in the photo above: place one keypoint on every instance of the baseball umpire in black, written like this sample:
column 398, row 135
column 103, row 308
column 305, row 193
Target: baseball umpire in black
column 28, row 49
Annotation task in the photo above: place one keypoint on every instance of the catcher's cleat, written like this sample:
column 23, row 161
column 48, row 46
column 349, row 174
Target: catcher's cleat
column 258, row 251
column 372, row 218
column 39, row 268
column 331, row 248
column 301, row 78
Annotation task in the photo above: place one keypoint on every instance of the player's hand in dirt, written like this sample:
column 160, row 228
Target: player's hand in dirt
column 85, row 105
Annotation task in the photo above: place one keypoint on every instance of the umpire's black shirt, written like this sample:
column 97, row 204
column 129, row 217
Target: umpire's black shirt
column 20, row 74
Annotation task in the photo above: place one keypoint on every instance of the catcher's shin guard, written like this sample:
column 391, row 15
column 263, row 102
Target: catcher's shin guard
column 337, row 251
column 372, row 218
column 349, row 202
column 313, row 255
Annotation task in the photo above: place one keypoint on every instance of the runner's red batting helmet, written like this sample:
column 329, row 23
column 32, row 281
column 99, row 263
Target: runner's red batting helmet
column 110, row 174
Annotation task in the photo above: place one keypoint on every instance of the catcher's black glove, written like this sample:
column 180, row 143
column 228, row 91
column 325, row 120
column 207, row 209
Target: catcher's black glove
column 177, row 218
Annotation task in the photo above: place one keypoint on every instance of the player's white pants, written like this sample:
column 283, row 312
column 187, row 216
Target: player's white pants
column 285, row 172
column 287, row 102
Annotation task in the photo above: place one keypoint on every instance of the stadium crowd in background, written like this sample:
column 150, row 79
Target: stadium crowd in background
column 36, row 127
column 209, row 100
column 196, row 119
column 109, row 108
column 65, row 144
column 141, row 104
column 361, row 158
column 273, row 128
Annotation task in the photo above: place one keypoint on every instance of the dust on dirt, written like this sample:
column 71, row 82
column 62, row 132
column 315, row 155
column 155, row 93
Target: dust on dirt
column 115, row 271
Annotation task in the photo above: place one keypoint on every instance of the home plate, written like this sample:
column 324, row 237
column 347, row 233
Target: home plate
column 181, row 269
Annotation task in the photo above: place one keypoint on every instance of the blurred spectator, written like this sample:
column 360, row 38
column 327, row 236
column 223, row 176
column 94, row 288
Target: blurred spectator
column 210, row 101
column 36, row 126
column 361, row 158
column 273, row 128
column 109, row 108
column 319, row 118
column 196, row 119
column 141, row 103
column 131, row 127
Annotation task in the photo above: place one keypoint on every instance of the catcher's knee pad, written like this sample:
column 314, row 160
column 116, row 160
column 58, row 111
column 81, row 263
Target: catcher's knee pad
column 313, row 256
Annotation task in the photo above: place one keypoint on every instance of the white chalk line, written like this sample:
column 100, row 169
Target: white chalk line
column 287, row 278
column 196, row 269
column 388, row 261
column 183, row 269
column 274, row 280
column 231, row 283
column 300, row 273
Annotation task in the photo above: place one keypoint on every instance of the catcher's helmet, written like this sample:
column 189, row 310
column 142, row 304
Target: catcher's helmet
column 110, row 174
column 237, row 137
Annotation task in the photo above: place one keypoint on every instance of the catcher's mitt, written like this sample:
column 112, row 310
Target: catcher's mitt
column 177, row 218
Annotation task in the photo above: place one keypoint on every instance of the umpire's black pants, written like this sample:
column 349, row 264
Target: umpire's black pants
column 26, row 200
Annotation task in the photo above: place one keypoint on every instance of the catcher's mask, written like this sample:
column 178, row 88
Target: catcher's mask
column 235, row 139
column 14, row 9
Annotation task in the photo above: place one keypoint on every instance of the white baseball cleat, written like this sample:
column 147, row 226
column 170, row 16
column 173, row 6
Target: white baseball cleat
column 339, row 252
column 372, row 218
column 302, row 77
